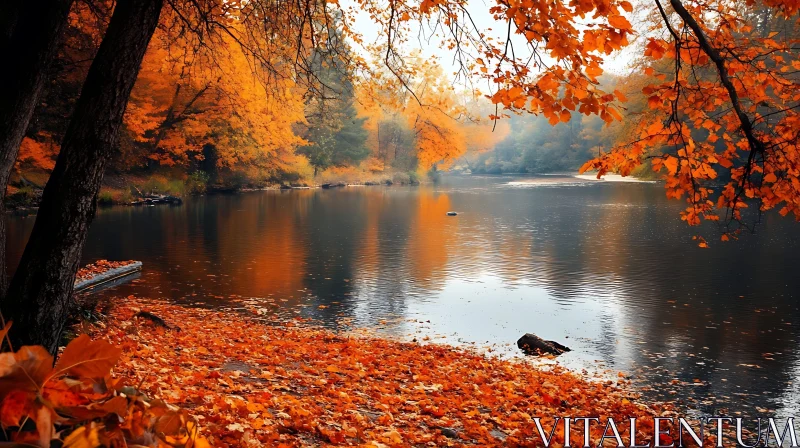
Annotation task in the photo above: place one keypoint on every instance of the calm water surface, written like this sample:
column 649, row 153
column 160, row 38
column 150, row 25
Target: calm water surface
column 607, row 268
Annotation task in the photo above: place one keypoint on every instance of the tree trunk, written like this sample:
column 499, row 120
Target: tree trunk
column 40, row 294
column 29, row 36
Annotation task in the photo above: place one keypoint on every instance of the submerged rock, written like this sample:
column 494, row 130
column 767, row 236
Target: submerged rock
column 536, row 346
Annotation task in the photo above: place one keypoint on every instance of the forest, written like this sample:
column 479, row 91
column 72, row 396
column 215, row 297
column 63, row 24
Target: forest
column 200, row 120
column 106, row 101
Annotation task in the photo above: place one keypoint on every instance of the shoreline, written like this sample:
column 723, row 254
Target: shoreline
column 32, row 206
column 27, row 204
column 301, row 385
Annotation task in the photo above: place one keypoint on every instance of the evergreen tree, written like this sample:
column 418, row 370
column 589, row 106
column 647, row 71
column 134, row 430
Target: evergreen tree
column 335, row 133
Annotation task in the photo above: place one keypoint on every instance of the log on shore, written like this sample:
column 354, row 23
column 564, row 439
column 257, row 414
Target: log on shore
column 108, row 276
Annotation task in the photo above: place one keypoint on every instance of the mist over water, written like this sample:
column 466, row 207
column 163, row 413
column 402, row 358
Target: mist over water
column 606, row 268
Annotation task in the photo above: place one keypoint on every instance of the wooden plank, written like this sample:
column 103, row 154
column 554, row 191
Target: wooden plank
column 108, row 276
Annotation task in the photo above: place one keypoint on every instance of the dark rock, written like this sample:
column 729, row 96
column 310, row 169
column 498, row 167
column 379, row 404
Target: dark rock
column 222, row 189
column 334, row 185
column 286, row 187
column 450, row 433
column 499, row 435
column 388, row 183
column 536, row 346
column 452, row 214
column 237, row 366
column 154, row 199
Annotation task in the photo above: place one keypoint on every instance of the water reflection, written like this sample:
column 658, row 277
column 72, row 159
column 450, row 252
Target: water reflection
column 606, row 268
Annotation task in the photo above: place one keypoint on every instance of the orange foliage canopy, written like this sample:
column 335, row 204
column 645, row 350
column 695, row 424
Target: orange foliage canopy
column 724, row 94
column 183, row 101
column 555, row 75
column 724, row 106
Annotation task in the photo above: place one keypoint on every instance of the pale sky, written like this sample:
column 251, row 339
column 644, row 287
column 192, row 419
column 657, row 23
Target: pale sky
column 479, row 10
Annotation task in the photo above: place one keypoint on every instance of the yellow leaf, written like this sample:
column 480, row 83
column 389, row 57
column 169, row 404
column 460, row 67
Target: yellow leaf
column 82, row 438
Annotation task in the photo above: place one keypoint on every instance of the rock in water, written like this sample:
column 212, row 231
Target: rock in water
column 536, row 346
column 452, row 214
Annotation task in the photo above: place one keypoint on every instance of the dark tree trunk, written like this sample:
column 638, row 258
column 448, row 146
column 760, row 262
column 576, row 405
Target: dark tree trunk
column 40, row 294
column 29, row 36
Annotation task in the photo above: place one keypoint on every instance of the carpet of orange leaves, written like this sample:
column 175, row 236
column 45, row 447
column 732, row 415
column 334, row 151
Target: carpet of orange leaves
column 98, row 267
column 251, row 384
column 74, row 403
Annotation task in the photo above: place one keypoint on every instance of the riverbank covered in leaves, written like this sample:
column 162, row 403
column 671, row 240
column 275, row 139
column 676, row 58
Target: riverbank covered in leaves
column 250, row 384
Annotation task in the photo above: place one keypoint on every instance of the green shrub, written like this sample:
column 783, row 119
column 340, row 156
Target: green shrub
column 111, row 196
column 235, row 179
column 105, row 197
column 24, row 197
column 154, row 185
column 197, row 182
column 175, row 187
column 161, row 185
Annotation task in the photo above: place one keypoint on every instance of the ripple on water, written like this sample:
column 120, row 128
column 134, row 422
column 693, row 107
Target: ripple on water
column 606, row 267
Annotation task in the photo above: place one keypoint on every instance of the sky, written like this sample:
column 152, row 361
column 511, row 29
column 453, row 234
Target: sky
column 479, row 11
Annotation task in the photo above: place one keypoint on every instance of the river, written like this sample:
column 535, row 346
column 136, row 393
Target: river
column 606, row 268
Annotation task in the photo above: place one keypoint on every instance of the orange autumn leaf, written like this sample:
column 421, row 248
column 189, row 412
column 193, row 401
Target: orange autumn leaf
column 15, row 406
column 86, row 358
column 672, row 164
column 27, row 369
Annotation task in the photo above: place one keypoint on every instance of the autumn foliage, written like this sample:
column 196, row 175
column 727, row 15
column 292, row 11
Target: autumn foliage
column 251, row 383
column 722, row 123
column 78, row 403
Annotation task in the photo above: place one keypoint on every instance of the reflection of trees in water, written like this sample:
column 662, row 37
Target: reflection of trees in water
column 382, row 266
column 624, row 244
column 430, row 239
column 374, row 249
column 332, row 232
